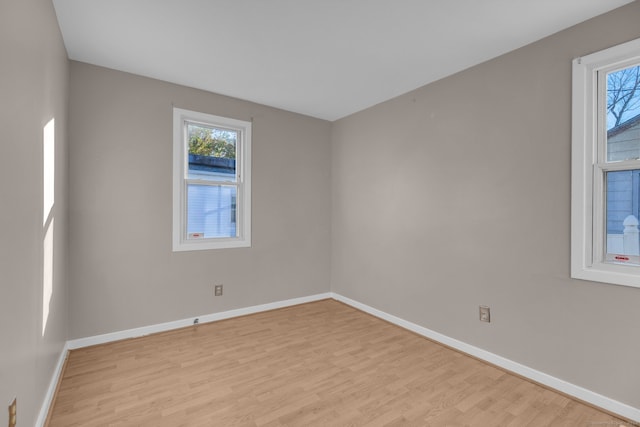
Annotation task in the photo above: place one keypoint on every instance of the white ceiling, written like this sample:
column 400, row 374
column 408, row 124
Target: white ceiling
column 323, row 58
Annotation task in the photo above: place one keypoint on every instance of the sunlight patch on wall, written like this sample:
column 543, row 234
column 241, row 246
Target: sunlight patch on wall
column 48, row 200
column 47, row 275
column 48, row 168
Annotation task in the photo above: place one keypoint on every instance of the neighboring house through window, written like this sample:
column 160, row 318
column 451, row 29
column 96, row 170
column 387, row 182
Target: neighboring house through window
column 605, row 236
column 623, row 187
column 211, row 181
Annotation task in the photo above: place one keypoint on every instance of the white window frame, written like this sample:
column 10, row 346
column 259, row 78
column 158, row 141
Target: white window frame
column 589, row 167
column 180, row 170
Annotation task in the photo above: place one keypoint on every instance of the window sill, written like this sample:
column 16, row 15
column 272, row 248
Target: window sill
column 622, row 275
column 207, row 245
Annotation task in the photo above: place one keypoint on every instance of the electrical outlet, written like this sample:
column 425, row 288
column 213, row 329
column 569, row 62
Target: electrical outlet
column 217, row 290
column 485, row 314
column 13, row 413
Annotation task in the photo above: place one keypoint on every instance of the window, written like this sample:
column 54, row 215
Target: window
column 605, row 182
column 211, row 181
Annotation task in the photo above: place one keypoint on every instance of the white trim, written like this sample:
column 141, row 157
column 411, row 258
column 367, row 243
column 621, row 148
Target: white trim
column 242, row 184
column 162, row 327
column 611, row 405
column 588, row 166
column 598, row 400
column 53, row 384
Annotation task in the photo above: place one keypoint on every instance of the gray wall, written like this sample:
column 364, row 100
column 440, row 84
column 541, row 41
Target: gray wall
column 458, row 194
column 33, row 90
column 123, row 272
column 454, row 195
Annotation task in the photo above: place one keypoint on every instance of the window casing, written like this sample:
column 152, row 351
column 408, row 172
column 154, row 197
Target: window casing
column 605, row 172
column 211, row 181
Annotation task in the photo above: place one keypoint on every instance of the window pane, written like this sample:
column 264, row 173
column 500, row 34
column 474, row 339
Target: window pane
column 623, row 190
column 212, row 153
column 623, row 114
column 211, row 211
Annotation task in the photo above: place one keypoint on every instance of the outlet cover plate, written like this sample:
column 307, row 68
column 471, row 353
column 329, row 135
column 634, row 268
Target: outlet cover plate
column 485, row 314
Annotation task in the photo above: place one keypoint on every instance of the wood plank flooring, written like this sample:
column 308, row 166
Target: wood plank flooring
column 317, row 364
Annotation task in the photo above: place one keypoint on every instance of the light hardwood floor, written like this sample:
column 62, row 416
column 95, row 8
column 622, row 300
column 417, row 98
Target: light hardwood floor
column 317, row 364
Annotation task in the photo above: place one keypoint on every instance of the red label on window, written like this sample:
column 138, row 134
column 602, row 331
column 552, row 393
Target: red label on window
column 621, row 258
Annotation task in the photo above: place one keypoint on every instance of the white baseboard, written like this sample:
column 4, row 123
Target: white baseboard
column 162, row 327
column 608, row 404
column 51, row 390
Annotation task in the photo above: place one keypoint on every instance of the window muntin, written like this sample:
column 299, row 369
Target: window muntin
column 211, row 182
column 606, row 166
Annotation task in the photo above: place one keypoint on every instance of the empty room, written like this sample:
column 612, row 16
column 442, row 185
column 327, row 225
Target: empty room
column 319, row 213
